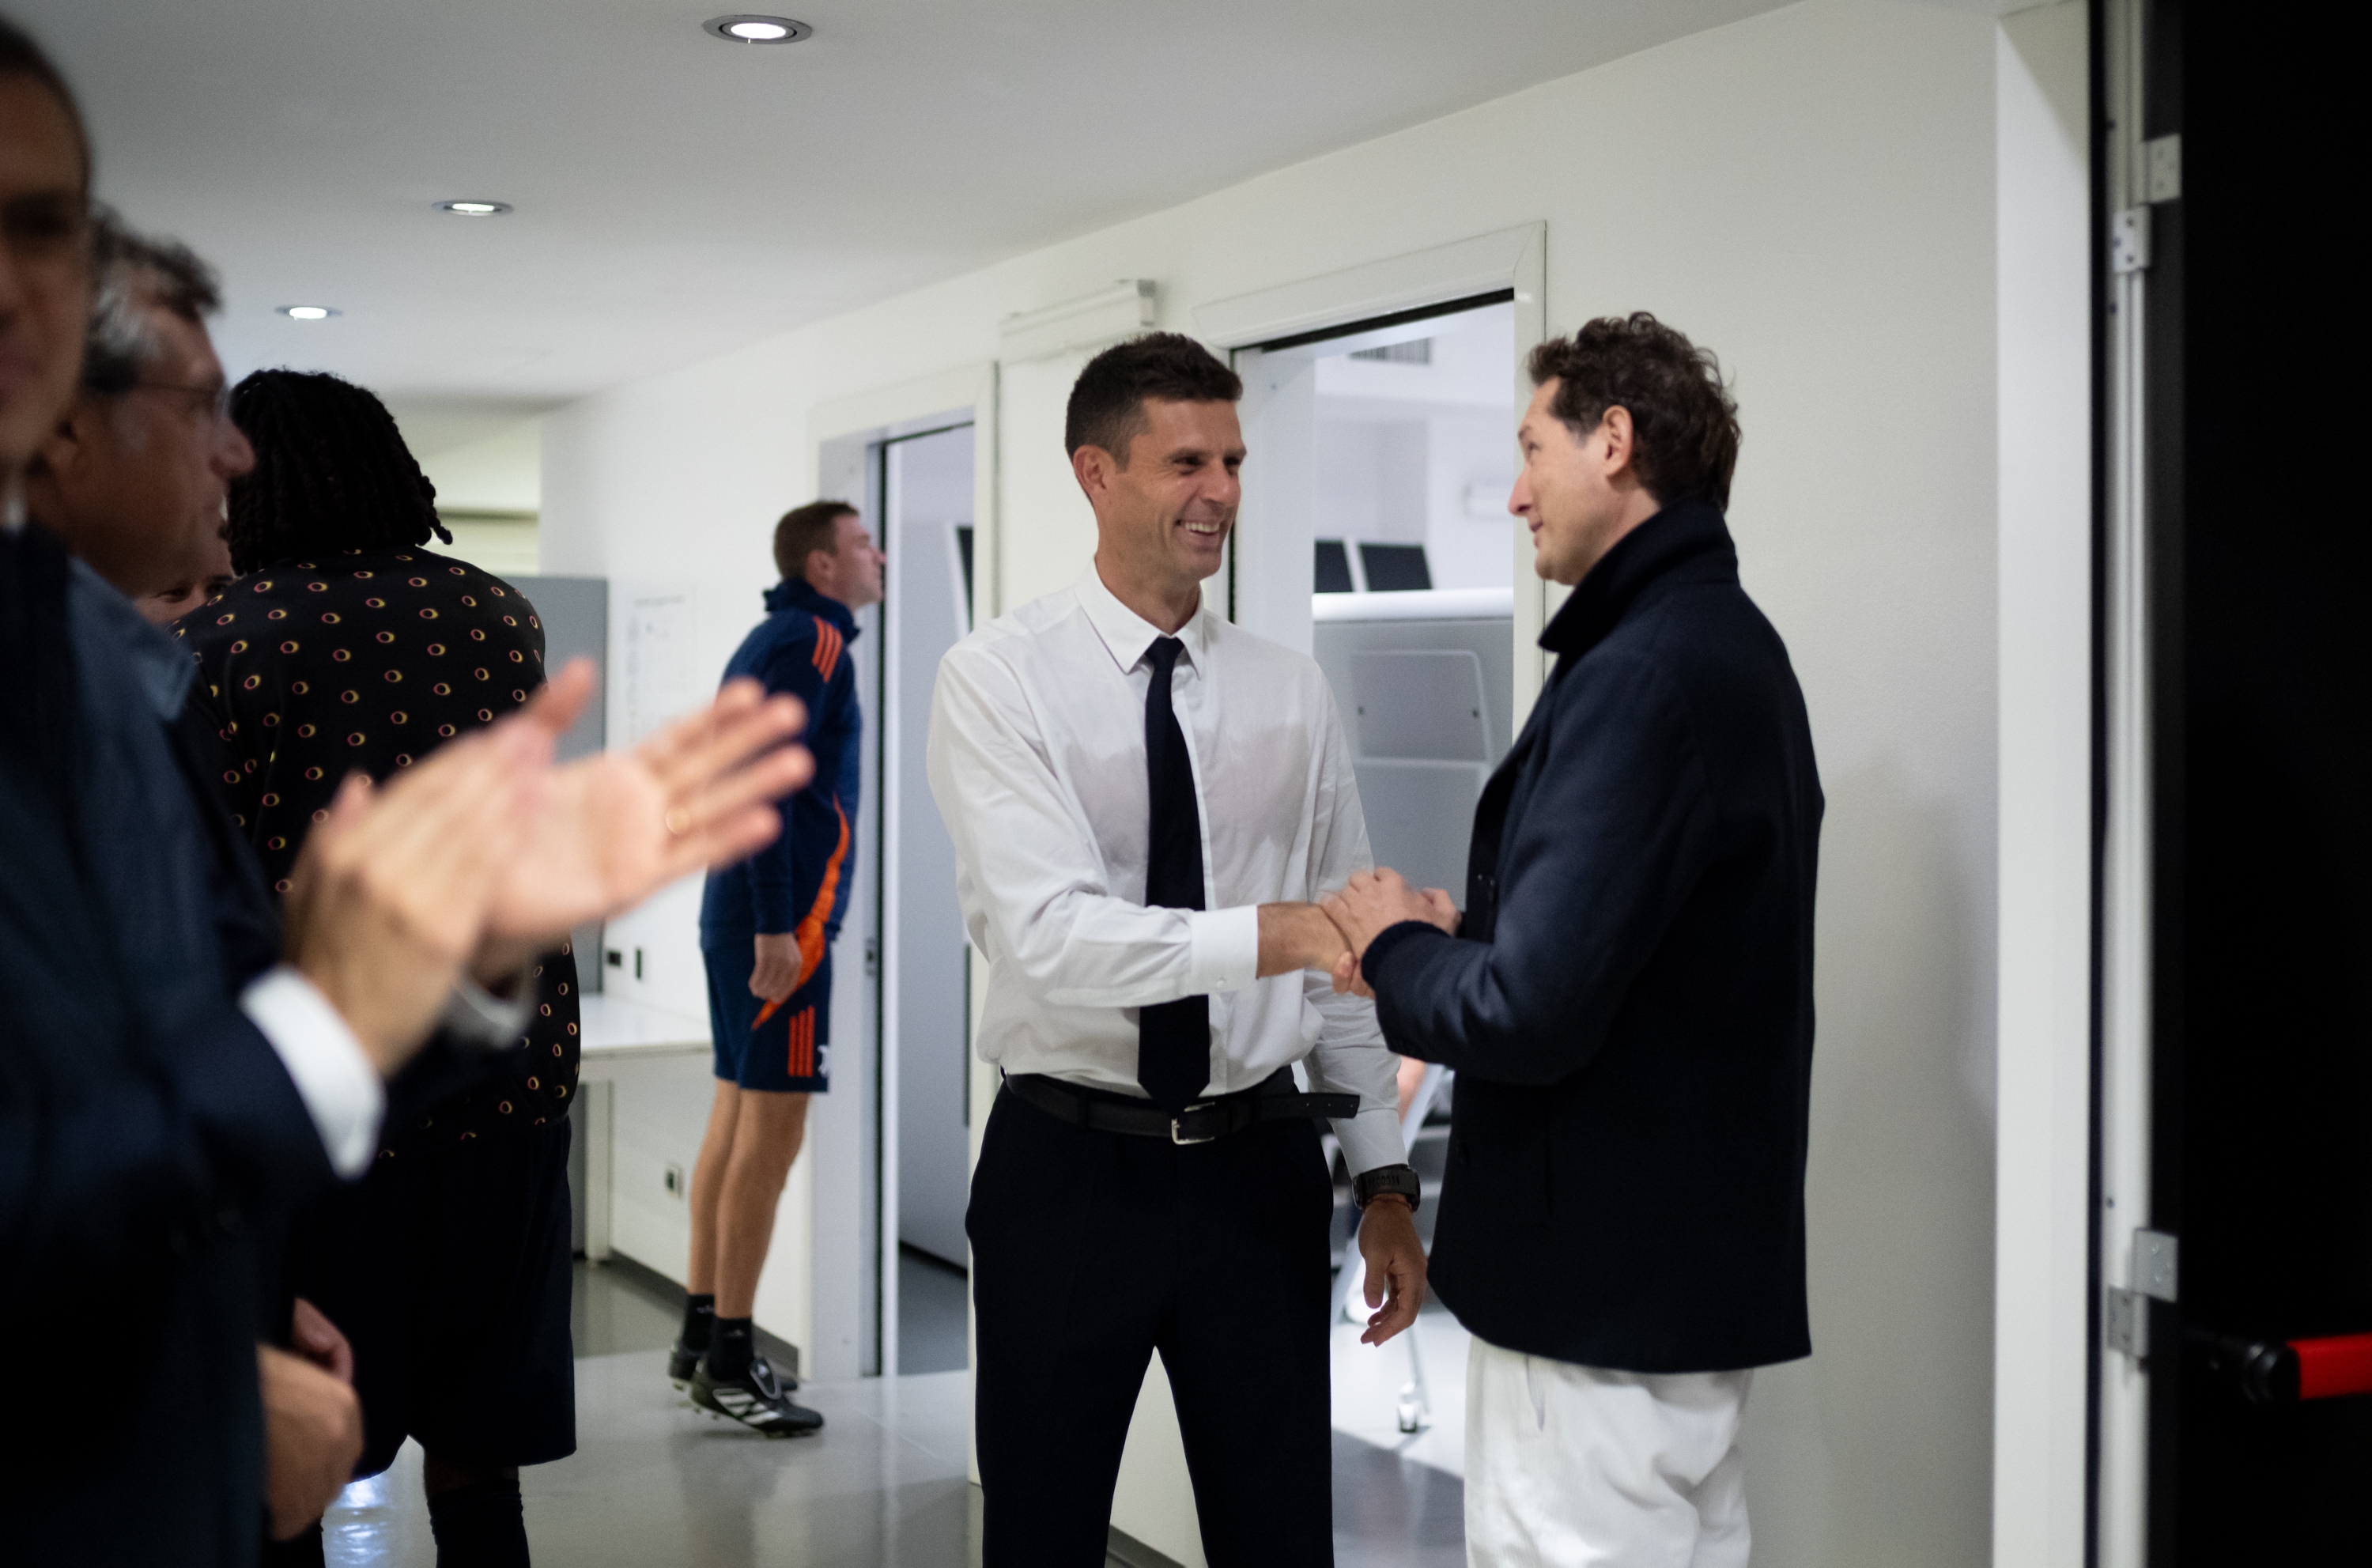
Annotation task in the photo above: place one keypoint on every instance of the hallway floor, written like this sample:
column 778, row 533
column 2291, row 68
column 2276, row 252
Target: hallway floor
column 654, row 1481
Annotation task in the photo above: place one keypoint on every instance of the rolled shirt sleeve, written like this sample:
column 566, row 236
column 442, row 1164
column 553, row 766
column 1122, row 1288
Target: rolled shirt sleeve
column 340, row 1089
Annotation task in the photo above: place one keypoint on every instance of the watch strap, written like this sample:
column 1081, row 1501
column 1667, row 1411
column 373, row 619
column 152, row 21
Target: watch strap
column 1387, row 1179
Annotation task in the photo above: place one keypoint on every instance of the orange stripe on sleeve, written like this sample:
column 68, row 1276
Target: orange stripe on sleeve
column 810, row 929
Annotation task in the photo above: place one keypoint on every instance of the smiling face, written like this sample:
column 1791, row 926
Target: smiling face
column 44, row 265
column 1162, row 520
column 1578, row 493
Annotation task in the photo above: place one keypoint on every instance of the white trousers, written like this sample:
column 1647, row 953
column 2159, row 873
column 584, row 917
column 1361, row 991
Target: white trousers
column 1570, row 1467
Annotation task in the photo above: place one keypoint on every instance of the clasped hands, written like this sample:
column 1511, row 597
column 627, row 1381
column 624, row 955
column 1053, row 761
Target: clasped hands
column 1332, row 935
column 1369, row 904
column 485, row 853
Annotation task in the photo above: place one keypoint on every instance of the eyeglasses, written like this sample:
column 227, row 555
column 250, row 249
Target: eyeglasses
column 211, row 401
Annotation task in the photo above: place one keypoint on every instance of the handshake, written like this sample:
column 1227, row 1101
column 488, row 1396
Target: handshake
column 1333, row 933
column 485, row 855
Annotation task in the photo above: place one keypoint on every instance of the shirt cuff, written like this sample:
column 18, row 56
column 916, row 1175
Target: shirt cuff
column 341, row 1091
column 1372, row 1138
column 483, row 1018
column 1224, row 954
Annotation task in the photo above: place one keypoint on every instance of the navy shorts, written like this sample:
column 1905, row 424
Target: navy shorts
column 790, row 1053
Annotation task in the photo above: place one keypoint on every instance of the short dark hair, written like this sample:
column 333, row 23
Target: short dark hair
column 133, row 272
column 332, row 472
column 1108, row 400
column 1684, row 422
column 803, row 530
column 21, row 57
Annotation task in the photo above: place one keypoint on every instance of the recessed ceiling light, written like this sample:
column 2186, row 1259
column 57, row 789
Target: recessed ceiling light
column 474, row 209
column 756, row 29
column 308, row 312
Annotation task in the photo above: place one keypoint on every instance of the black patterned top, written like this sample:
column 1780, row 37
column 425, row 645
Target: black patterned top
column 367, row 660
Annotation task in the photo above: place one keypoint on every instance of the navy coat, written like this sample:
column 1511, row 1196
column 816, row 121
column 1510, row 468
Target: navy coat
column 1628, row 1002
column 150, row 1137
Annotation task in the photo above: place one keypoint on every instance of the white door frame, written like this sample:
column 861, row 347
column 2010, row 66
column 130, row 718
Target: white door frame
column 1514, row 259
column 2126, row 896
column 836, row 1271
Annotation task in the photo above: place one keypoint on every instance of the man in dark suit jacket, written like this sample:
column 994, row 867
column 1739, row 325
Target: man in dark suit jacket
column 160, row 1100
column 1627, row 1000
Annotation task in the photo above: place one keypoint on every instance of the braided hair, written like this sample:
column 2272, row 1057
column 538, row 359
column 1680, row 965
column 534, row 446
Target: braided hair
column 332, row 472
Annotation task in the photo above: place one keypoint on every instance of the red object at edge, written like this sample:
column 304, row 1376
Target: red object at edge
column 2341, row 1364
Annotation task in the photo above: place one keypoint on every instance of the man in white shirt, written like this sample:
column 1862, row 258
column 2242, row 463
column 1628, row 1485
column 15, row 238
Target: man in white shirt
column 1145, row 800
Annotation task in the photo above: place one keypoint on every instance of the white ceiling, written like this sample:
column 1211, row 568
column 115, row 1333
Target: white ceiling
column 677, row 196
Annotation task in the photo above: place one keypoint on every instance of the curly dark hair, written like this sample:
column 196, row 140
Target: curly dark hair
column 1684, row 421
column 332, row 472
column 1107, row 407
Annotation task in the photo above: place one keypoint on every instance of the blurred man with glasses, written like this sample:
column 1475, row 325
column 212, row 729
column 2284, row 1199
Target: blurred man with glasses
column 134, row 475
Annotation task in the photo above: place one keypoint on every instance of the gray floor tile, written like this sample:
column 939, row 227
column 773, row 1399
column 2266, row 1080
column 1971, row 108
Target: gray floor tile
column 655, row 1482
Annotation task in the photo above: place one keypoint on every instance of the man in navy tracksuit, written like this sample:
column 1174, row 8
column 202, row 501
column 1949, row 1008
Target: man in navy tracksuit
column 767, row 927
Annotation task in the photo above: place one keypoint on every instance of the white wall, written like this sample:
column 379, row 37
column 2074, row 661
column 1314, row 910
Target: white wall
column 503, row 472
column 1811, row 193
column 2045, row 461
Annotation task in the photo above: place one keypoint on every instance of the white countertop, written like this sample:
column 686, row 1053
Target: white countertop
column 615, row 1028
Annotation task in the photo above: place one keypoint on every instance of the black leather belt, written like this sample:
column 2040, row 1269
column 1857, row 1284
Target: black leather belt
column 1200, row 1122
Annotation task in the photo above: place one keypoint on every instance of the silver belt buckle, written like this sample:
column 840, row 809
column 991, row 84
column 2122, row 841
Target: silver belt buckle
column 1179, row 1138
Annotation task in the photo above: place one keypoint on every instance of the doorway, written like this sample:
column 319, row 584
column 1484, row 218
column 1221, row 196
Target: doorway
column 925, row 482
column 1377, row 538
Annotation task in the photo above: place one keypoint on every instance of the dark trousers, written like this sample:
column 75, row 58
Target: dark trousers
column 449, row 1268
column 1090, row 1252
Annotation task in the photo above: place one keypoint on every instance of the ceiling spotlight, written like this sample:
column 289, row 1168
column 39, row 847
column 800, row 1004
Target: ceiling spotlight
column 756, row 29
column 474, row 209
column 308, row 312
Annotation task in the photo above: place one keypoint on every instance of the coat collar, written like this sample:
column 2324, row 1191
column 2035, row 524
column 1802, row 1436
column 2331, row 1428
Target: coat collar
column 794, row 593
column 1683, row 534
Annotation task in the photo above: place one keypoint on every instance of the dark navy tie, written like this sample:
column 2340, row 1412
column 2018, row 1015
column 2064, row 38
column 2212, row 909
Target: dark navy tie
column 1173, row 1039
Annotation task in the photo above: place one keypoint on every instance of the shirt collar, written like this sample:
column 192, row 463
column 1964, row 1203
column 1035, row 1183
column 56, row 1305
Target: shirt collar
column 1126, row 635
column 161, row 670
column 797, row 593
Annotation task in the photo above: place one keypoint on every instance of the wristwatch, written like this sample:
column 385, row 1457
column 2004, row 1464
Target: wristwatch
column 1384, row 1179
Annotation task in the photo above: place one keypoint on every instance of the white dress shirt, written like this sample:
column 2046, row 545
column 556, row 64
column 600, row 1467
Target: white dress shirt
column 1037, row 761
column 340, row 1089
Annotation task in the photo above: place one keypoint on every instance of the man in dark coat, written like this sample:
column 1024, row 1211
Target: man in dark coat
column 160, row 1101
column 1627, row 1000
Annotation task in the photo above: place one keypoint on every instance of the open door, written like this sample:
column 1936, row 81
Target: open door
column 2237, row 1241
